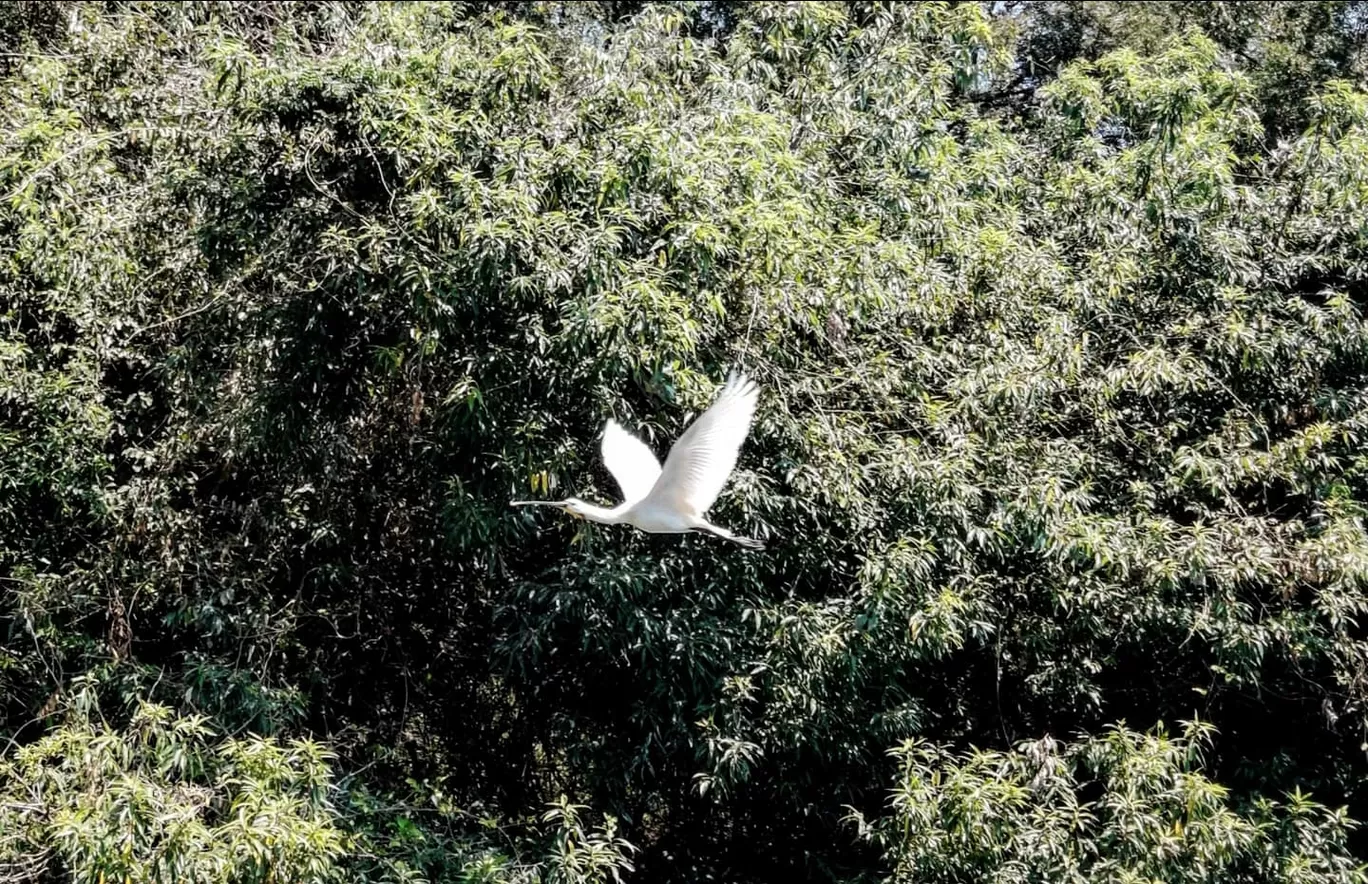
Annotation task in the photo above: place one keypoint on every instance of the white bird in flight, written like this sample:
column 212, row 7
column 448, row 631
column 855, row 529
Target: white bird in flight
column 674, row 499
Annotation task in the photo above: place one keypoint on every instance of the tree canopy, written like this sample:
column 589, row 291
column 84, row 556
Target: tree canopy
column 1058, row 316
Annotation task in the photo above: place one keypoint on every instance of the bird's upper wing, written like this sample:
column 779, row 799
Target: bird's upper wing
column 698, row 465
column 629, row 460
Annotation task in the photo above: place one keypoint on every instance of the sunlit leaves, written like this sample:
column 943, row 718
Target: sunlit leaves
column 167, row 799
column 1123, row 807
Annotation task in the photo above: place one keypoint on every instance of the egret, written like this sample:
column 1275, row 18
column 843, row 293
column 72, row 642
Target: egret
column 674, row 499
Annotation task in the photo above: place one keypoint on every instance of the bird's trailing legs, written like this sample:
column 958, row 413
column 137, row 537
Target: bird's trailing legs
column 747, row 542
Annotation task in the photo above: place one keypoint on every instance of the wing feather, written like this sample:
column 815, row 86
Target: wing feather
column 701, row 460
column 629, row 460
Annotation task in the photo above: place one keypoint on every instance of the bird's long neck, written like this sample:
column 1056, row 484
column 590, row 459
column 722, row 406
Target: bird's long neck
column 602, row 514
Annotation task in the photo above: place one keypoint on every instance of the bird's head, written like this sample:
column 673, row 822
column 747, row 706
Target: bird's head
column 574, row 507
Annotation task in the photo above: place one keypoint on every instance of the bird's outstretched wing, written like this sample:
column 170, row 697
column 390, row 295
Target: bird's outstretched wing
column 629, row 460
column 702, row 459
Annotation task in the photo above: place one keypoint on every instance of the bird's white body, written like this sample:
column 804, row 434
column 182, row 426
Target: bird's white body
column 650, row 516
column 675, row 498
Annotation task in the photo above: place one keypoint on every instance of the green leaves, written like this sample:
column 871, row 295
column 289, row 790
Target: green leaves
column 1124, row 806
column 167, row 799
column 1061, row 424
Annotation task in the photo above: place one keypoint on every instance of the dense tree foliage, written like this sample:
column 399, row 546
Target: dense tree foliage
column 1288, row 50
column 1062, row 351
